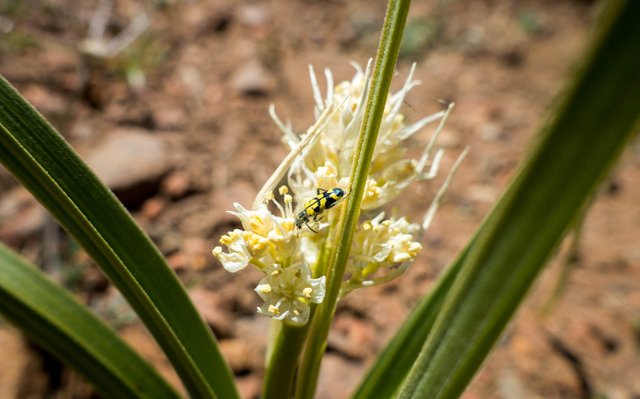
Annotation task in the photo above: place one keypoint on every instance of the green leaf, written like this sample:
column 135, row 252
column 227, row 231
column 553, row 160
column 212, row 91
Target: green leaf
column 56, row 321
column 43, row 162
column 393, row 364
column 575, row 150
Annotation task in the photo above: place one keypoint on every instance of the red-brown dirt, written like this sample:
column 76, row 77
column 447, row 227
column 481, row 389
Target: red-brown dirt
column 211, row 69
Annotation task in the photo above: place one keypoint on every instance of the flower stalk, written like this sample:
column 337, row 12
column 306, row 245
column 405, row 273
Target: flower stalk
column 388, row 49
column 301, row 236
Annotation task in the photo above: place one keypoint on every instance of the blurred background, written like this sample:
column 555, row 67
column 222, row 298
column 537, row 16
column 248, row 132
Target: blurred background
column 167, row 101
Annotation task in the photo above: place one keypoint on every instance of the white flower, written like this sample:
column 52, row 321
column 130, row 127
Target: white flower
column 381, row 250
column 271, row 243
column 266, row 238
column 238, row 256
column 287, row 293
column 321, row 158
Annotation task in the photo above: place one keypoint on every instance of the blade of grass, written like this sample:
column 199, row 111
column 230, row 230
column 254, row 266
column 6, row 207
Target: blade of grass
column 281, row 367
column 386, row 57
column 585, row 136
column 56, row 321
column 45, row 164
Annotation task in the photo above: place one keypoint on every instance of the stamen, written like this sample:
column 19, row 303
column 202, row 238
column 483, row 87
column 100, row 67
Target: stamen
column 274, row 310
column 278, row 206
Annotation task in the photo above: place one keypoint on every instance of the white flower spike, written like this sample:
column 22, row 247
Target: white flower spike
column 280, row 240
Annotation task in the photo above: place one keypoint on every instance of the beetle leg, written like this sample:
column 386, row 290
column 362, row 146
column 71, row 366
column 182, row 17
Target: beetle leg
column 307, row 223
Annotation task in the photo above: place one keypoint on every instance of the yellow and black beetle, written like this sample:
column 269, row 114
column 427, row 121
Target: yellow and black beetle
column 325, row 199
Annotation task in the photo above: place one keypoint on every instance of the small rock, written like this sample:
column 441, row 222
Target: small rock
column 482, row 193
column 43, row 99
column 238, row 291
column 254, row 16
column 170, row 118
column 474, row 41
column 81, row 130
column 241, row 355
column 153, row 207
column 252, row 79
column 249, row 386
column 213, row 95
column 177, row 261
column 351, row 337
column 390, row 311
column 131, row 163
column 20, row 216
column 6, row 24
column 208, row 305
column 338, row 377
column 510, row 384
column 490, row 132
column 63, row 62
column 176, row 185
column 253, row 329
column 197, row 251
column 449, row 139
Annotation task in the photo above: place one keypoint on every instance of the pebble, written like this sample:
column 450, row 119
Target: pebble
column 197, row 252
column 252, row 79
column 253, row 329
column 45, row 101
column 131, row 162
column 176, row 185
column 241, row 355
column 208, row 305
column 249, row 386
column 254, row 16
column 351, row 337
column 337, row 375
column 491, row 132
column 153, row 207
column 170, row 117
column 482, row 193
column 20, row 216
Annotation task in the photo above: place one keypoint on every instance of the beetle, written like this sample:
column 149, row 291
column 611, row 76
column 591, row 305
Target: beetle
column 312, row 209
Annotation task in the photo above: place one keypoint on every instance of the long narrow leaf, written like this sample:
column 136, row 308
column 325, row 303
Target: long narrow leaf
column 393, row 364
column 40, row 158
column 53, row 319
column 585, row 136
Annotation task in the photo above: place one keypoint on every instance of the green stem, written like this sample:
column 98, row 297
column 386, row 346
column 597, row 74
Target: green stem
column 282, row 365
column 381, row 80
